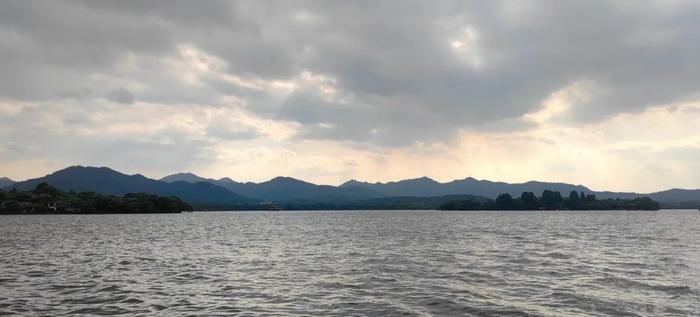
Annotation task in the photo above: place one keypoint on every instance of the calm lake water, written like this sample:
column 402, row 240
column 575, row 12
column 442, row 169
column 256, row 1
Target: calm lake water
column 377, row 263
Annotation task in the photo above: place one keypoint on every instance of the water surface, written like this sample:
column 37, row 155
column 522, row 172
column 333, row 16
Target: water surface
column 377, row 263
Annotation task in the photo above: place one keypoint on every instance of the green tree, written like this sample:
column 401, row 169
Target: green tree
column 551, row 199
column 505, row 202
column 45, row 188
column 529, row 200
column 574, row 201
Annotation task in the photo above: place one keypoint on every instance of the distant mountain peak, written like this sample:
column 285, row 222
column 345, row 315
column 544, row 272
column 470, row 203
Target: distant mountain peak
column 5, row 182
column 423, row 179
column 85, row 168
column 186, row 174
column 419, row 180
column 183, row 177
column 352, row 182
column 226, row 180
column 286, row 179
column 101, row 171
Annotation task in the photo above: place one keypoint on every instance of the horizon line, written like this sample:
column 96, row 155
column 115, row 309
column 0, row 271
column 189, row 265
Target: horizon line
column 351, row 179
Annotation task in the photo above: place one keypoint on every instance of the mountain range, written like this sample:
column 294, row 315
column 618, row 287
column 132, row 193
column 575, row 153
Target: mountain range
column 283, row 189
column 424, row 186
column 225, row 192
column 107, row 181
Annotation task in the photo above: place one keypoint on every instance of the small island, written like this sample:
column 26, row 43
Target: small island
column 45, row 199
column 553, row 200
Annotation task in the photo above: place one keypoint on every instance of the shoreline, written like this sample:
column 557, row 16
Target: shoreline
column 88, row 213
column 322, row 210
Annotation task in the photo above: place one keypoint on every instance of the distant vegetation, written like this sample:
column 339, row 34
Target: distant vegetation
column 386, row 203
column 553, row 200
column 47, row 199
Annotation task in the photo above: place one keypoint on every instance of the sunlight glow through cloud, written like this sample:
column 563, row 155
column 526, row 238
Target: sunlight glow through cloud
column 326, row 92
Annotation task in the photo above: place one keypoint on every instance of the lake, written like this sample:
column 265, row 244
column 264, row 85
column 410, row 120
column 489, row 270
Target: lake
column 368, row 263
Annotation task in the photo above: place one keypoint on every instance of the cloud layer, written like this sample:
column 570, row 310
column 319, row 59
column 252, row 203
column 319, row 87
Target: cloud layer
column 252, row 89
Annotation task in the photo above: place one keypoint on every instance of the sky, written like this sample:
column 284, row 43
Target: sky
column 600, row 93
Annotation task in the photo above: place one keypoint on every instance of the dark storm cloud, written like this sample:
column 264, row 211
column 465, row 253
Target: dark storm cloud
column 405, row 71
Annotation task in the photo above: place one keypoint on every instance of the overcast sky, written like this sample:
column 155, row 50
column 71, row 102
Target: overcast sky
column 601, row 93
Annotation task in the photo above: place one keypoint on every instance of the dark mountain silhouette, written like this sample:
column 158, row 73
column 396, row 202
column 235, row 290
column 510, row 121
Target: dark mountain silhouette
column 424, row 187
column 226, row 180
column 678, row 198
column 5, row 182
column 677, row 195
column 419, row 187
column 107, row 181
column 621, row 195
column 184, row 177
column 285, row 189
column 212, row 193
column 672, row 198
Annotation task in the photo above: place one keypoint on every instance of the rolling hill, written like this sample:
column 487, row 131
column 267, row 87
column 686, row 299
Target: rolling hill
column 286, row 189
column 107, row 181
column 424, row 187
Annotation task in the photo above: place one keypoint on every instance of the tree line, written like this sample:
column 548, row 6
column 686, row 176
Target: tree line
column 47, row 199
column 553, row 200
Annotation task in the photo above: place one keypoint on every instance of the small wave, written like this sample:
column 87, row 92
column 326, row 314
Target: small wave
column 448, row 307
column 159, row 307
column 228, row 309
column 632, row 284
column 378, row 264
column 111, row 288
column 106, row 310
column 92, row 300
column 132, row 301
column 558, row 255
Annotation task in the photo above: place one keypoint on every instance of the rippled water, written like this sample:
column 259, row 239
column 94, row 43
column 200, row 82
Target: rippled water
column 353, row 263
